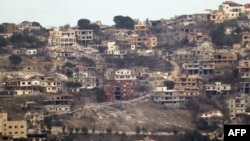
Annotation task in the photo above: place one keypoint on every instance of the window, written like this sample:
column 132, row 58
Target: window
column 16, row 126
column 16, row 132
column 22, row 126
column 10, row 127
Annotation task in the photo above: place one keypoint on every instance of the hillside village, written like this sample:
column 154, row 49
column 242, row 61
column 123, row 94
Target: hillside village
column 157, row 78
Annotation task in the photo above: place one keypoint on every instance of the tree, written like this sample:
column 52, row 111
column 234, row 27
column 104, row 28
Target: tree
column 77, row 129
column 202, row 124
column 137, row 130
column 193, row 136
column 109, row 131
column 123, row 22
column 84, row 130
column 63, row 128
column 15, row 59
column 3, row 42
column 83, row 23
column 70, row 129
column 36, row 24
column 2, row 29
column 169, row 84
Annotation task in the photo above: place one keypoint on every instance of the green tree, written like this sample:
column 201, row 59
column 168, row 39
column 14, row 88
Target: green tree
column 2, row 29
column 3, row 42
column 100, row 94
column 202, row 124
column 15, row 59
column 36, row 24
column 123, row 22
column 63, row 128
column 169, row 84
column 77, row 129
column 137, row 130
column 83, row 23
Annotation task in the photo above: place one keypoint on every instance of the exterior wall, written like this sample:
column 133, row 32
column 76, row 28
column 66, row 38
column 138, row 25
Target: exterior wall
column 217, row 88
column 148, row 41
column 3, row 119
column 245, row 87
column 58, row 108
column 201, row 68
column 224, row 59
column 31, row 52
column 166, row 97
column 245, row 39
column 232, row 10
column 139, row 26
column 124, row 74
column 62, row 38
column 17, row 129
column 244, row 69
column 84, row 35
column 236, row 106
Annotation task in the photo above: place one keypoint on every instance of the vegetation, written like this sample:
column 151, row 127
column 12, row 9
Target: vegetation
column 85, row 24
column 123, row 22
column 169, row 84
column 153, row 62
column 2, row 29
column 20, row 40
column 193, row 136
column 73, row 84
column 15, row 59
column 3, row 42
column 87, row 61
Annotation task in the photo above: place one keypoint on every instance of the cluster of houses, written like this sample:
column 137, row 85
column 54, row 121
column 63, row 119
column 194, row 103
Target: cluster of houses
column 66, row 44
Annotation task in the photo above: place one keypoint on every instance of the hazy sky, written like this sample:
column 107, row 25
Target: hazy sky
column 60, row 12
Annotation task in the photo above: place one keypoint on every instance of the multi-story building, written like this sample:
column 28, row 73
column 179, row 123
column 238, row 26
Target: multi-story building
column 118, row 90
column 163, row 96
column 224, row 58
column 204, row 51
column 65, row 38
column 200, row 67
column 9, row 28
column 13, row 129
column 57, row 102
column 140, row 26
column 143, row 40
column 84, row 35
column 198, row 37
column 232, row 10
column 244, row 69
column 245, row 87
column 245, row 42
column 217, row 88
column 124, row 74
column 237, row 106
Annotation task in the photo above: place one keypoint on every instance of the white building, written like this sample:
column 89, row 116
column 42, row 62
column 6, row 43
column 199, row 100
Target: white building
column 237, row 106
column 217, row 88
column 232, row 10
column 65, row 38
column 84, row 35
column 163, row 96
column 124, row 74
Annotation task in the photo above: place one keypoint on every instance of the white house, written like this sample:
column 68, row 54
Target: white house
column 124, row 74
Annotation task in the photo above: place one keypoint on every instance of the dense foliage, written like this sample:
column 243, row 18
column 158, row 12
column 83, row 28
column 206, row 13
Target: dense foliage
column 123, row 22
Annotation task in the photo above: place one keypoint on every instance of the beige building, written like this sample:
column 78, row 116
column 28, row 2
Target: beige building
column 237, row 106
column 232, row 10
column 140, row 26
column 146, row 40
column 14, row 129
column 224, row 58
column 244, row 68
column 65, row 38
column 245, row 42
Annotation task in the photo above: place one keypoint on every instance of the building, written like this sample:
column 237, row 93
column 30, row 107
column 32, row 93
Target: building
column 245, row 87
column 212, row 116
column 9, row 27
column 124, row 74
column 140, row 26
column 143, row 40
column 118, row 90
column 232, row 10
column 13, row 129
column 84, row 35
column 57, row 102
column 244, row 69
column 199, row 67
column 172, row 98
column 237, row 106
column 64, row 38
column 217, row 88
column 198, row 37
column 245, row 42
column 224, row 58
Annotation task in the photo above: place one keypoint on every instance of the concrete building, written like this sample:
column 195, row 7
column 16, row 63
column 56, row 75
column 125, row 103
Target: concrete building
column 245, row 87
column 217, row 88
column 13, row 129
column 232, row 10
column 118, row 90
column 172, row 98
column 224, row 58
column 124, row 74
column 244, row 69
column 140, row 26
column 84, row 35
column 65, row 38
column 212, row 115
column 143, row 40
column 200, row 68
column 245, row 41
column 237, row 106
